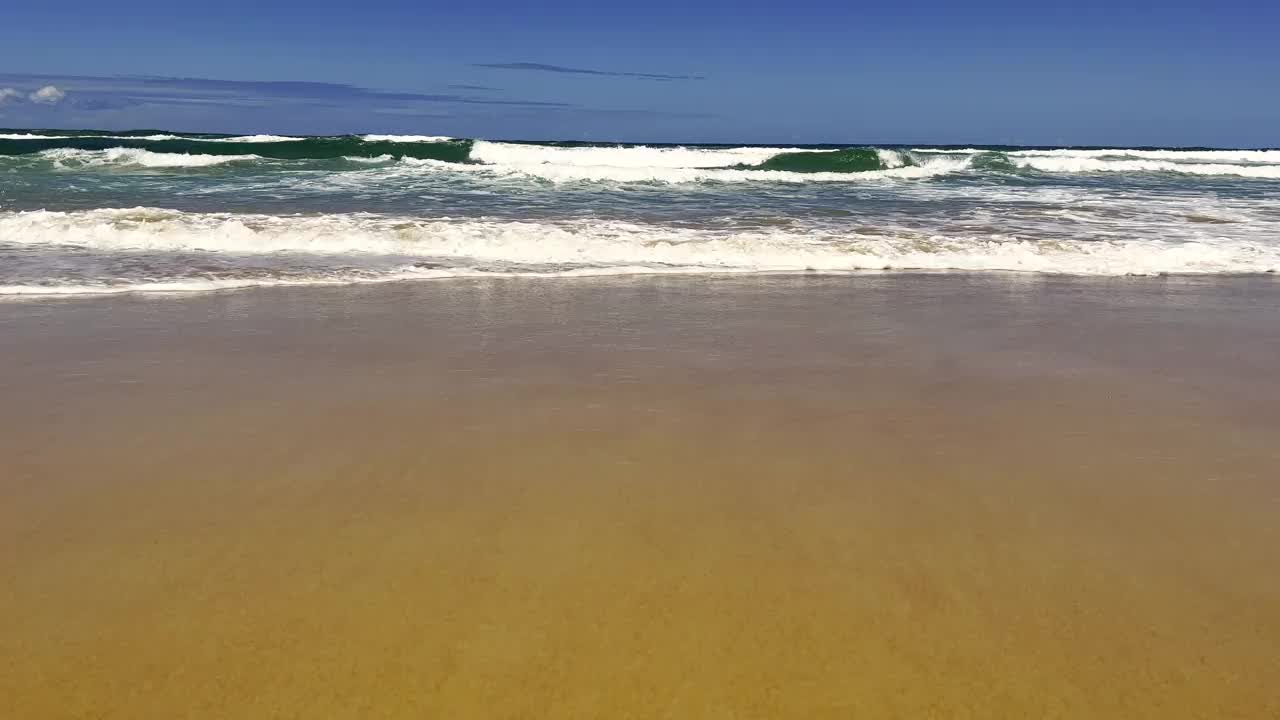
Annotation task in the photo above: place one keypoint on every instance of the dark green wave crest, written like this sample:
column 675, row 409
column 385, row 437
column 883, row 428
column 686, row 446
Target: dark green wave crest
column 848, row 160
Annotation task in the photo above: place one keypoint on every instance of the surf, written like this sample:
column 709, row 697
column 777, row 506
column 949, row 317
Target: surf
column 554, row 247
column 557, row 162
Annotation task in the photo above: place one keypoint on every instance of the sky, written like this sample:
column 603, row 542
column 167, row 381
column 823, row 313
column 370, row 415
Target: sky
column 799, row 71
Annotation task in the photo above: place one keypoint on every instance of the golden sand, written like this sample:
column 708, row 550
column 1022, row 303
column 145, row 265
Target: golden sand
column 889, row 498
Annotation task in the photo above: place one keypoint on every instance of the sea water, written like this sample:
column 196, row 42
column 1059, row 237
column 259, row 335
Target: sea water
column 84, row 212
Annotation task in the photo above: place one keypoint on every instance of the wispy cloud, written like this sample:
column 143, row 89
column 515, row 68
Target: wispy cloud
column 161, row 90
column 328, row 92
column 542, row 67
column 287, row 106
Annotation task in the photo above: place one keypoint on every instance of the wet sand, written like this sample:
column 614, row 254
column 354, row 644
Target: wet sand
column 877, row 497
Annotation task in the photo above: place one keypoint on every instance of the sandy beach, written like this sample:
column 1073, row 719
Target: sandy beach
column 879, row 496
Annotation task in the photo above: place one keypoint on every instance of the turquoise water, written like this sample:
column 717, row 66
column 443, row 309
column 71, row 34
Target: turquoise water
column 150, row 211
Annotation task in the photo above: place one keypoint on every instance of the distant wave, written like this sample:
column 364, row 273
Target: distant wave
column 1203, row 156
column 263, row 146
column 578, row 162
column 1262, row 164
column 257, row 139
column 406, row 138
column 1070, row 164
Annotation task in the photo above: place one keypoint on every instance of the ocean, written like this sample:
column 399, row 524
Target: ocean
column 90, row 212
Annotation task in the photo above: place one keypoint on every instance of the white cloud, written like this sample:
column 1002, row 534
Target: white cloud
column 7, row 93
column 48, row 95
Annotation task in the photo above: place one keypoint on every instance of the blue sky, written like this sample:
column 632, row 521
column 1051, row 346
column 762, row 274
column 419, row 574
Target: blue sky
column 931, row 71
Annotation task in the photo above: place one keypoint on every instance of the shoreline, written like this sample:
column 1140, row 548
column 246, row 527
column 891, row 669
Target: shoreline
column 191, row 289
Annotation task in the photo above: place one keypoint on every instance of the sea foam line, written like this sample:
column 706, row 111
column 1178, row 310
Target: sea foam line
column 609, row 246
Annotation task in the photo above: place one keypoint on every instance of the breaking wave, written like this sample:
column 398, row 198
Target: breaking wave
column 578, row 162
column 1076, row 164
column 1260, row 164
column 367, row 248
column 691, row 164
column 136, row 157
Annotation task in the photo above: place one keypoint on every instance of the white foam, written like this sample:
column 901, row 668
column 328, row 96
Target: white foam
column 891, row 158
column 177, row 287
column 252, row 139
column 1263, row 164
column 71, row 157
column 634, row 157
column 1076, row 164
column 137, row 137
column 376, row 160
column 1221, row 156
column 185, row 287
column 671, row 164
column 1185, row 156
column 29, row 136
column 611, row 247
column 407, row 138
